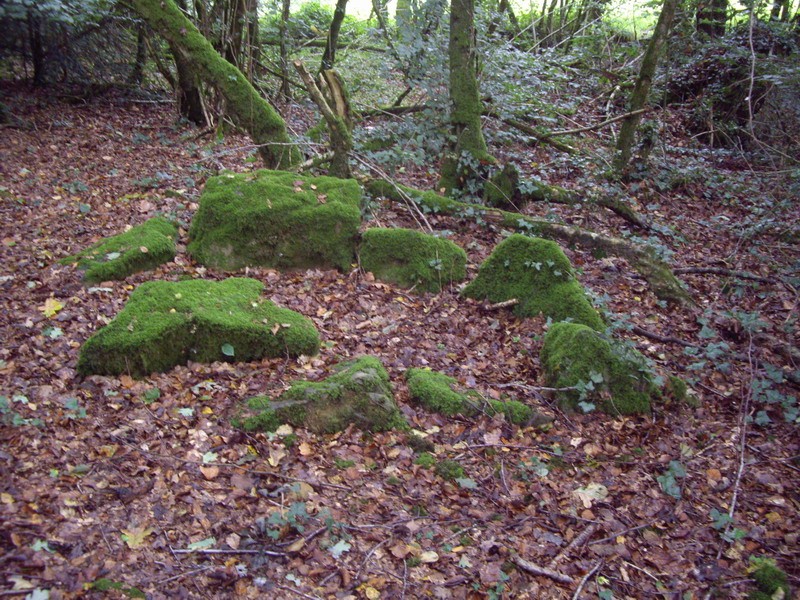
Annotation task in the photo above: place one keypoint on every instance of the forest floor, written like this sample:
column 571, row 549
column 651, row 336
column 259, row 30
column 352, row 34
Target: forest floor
column 144, row 485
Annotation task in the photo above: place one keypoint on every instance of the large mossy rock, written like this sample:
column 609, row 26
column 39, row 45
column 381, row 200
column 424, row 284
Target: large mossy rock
column 166, row 324
column 358, row 393
column 537, row 274
column 412, row 259
column 441, row 393
column 612, row 376
column 276, row 219
column 140, row 248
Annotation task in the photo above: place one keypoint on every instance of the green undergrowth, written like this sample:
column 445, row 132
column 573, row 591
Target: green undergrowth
column 600, row 371
column 771, row 581
column 276, row 219
column 412, row 259
column 358, row 392
column 140, row 248
column 440, row 393
column 537, row 274
column 165, row 324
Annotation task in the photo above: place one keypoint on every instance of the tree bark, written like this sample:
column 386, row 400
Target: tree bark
column 37, row 47
column 466, row 107
column 627, row 134
column 329, row 55
column 710, row 17
column 247, row 109
column 286, row 91
column 137, row 71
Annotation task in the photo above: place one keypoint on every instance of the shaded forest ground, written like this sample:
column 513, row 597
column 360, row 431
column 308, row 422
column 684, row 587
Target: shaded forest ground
column 116, row 479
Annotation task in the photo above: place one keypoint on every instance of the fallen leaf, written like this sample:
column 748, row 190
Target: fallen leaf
column 428, row 557
column 51, row 307
column 135, row 537
column 210, row 472
column 590, row 493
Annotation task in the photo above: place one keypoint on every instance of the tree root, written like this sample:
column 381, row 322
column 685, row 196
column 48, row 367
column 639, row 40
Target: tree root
column 657, row 274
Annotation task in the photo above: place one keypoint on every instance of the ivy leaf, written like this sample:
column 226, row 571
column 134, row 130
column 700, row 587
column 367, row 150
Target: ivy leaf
column 201, row 544
column 52, row 333
column 467, row 483
column 227, row 350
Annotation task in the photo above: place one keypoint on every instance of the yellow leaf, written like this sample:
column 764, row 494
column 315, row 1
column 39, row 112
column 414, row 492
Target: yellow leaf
column 428, row 557
column 295, row 547
column 371, row 593
column 51, row 307
column 135, row 537
column 305, row 449
column 6, row 498
column 275, row 456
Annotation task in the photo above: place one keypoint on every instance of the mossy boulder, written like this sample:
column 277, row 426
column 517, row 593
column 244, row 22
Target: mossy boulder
column 358, row 392
column 612, row 376
column 170, row 323
column 276, row 219
column 412, row 259
column 441, row 393
column 538, row 275
column 140, row 248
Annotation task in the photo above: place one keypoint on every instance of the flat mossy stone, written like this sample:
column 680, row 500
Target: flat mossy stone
column 358, row 393
column 140, row 248
column 276, row 219
column 165, row 324
column 537, row 274
column 575, row 355
column 441, row 393
column 412, row 259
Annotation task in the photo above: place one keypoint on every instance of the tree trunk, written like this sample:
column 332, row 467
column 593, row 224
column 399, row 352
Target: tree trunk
column 462, row 162
column 137, row 71
column 247, row 109
column 641, row 89
column 286, row 8
column 188, row 93
column 710, row 17
column 329, row 55
column 37, row 48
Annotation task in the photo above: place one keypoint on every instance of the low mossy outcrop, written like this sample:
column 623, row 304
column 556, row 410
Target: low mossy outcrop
column 276, row 219
column 607, row 374
column 412, row 259
column 140, row 248
column 441, row 393
column 170, row 323
column 358, row 392
column 537, row 274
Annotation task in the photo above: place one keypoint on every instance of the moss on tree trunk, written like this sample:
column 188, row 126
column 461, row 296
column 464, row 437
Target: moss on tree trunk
column 244, row 105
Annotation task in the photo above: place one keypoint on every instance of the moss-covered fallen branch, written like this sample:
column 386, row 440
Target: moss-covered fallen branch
column 657, row 273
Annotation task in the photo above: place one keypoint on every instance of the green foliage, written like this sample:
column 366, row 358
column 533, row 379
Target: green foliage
column 668, row 480
column 168, row 323
column 516, row 412
column 8, row 416
column 106, row 585
column 449, row 470
column 276, row 219
column 436, row 392
column 412, row 259
column 771, row 581
column 607, row 373
column 425, row 460
column 141, row 248
column 538, row 275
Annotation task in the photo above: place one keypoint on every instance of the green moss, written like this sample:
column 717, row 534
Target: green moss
column 450, row 470
column 276, row 219
column 574, row 355
column 769, row 579
column 358, row 392
column 141, row 248
column 437, row 392
column 170, row 323
column 502, row 190
column 677, row 389
column 409, row 258
column 516, row 412
column 537, row 274
column 106, row 585
column 420, row 444
column 425, row 460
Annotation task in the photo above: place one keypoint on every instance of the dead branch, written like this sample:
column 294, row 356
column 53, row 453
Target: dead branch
column 577, row 541
column 503, row 304
column 721, row 271
column 585, row 579
column 633, row 113
column 226, row 551
column 535, row 569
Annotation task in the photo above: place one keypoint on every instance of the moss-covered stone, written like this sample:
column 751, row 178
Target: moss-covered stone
column 140, row 248
column 771, row 581
column 538, row 275
column 409, row 258
column 619, row 380
column 450, row 470
column 276, row 219
column 358, row 392
column 502, row 189
column 170, row 323
column 440, row 393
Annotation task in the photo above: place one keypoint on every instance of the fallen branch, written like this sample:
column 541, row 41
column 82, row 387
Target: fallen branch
column 585, row 579
column 577, row 541
column 643, row 259
column 721, row 271
column 535, row 569
column 503, row 304
column 226, row 551
column 633, row 113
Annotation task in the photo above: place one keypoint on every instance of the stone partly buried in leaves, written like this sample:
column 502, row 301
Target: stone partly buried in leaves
column 537, row 274
column 612, row 376
column 140, row 248
column 358, row 392
column 276, row 219
column 412, row 259
column 170, row 323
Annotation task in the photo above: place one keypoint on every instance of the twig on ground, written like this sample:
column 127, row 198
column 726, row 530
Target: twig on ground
column 535, row 569
column 363, row 564
column 577, row 541
column 184, row 574
column 226, row 551
column 585, row 579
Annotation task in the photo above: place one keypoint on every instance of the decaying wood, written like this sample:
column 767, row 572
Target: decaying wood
column 535, row 569
column 503, row 304
column 643, row 259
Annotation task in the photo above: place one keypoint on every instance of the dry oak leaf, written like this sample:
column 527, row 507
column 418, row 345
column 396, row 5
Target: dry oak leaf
column 135, row 537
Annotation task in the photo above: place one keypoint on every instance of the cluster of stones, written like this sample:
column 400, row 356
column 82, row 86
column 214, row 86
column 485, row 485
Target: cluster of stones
column 286, row 221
